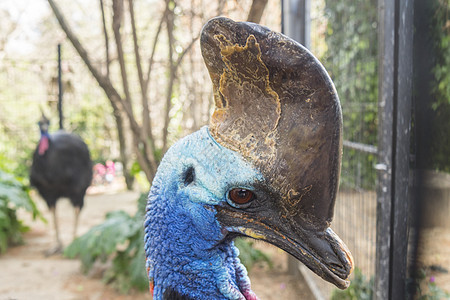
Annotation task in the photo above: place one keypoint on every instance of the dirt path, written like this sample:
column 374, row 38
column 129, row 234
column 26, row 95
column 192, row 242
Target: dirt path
column 25, row 272
column 434, row 256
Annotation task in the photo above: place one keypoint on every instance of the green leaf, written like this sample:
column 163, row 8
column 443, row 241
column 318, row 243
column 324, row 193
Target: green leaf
column 249, row 255
column 13, row 195
column 106, row 241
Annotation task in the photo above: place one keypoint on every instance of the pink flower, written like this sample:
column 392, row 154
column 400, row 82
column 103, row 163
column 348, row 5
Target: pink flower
column 432, row 279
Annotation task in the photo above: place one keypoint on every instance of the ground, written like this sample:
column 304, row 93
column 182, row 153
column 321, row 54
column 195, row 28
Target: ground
column 434, row 238
column 434, row 256
column 26, row 273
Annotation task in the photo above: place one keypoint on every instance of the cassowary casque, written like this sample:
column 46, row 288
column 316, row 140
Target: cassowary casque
column 267, row 167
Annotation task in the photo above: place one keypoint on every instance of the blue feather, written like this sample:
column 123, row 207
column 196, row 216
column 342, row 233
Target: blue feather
column 185, row 245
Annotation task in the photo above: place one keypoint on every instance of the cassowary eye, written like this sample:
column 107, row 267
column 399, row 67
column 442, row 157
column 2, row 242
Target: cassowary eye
column 189, row 175
column 241, row 196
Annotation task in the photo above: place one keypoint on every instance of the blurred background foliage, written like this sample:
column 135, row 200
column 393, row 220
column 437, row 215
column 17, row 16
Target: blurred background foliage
column 440, row 127
column 14, row 195
column 348, row 49
column 118, row 244
column 351, row 59
column 28, row 74
column 29, row 85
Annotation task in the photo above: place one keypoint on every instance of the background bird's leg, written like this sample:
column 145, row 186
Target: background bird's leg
column 58, row 247
column 75, row 225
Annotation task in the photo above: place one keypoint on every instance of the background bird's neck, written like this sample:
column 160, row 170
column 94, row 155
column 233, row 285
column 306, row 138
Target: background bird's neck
column 44, row 133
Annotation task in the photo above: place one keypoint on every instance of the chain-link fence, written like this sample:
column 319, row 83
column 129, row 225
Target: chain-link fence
column 344, row 37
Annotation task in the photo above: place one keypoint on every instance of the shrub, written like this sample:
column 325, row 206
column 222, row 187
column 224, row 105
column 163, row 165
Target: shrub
column 360, row 288
column 248, row 255
column 440, row 103
column 13, row 196
column 432, row 291
column 120, row 239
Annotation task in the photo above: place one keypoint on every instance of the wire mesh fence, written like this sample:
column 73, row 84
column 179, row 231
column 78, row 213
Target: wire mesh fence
column 355, row 215
column 29, row 87
column 344, row 37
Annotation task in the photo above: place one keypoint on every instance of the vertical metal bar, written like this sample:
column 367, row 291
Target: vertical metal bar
column 395, row 95
column 402, row 196
column 386, row 37
column 60, row 89
column 283, row 18
column 297, row 20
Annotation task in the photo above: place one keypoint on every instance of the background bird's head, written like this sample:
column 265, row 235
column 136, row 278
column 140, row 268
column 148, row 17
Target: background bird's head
column 44, row 142
column 267, row 167
column 43, row 123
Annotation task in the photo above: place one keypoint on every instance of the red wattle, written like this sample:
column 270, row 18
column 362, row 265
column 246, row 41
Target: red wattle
column 43, row 145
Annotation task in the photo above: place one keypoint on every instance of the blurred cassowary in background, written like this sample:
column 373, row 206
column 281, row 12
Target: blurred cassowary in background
column 267, row 167
column 61, row 168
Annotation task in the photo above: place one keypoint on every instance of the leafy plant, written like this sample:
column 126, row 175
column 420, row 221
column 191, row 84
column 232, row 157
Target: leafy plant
column 360, row 288
column 441, row 71
column 248, row 255
column 120, row 239
column 13, row 195
column 440, row 131
column 433, row 292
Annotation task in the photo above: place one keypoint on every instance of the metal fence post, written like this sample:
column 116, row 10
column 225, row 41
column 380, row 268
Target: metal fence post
column 60, row 90
column 296, row 20
column 393, row 191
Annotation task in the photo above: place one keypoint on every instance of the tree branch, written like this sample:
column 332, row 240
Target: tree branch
column 102, row 80
column 169, row 26
column 147, row 134
column 256, row 11
column 155, row 41
column 138, row 141
column 186, row 50
column 105, row 33
column 117, row 23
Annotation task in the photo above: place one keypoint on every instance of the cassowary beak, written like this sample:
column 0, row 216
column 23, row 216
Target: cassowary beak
column 276, row 105
column 322, row 251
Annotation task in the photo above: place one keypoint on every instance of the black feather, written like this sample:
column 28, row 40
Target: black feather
column 64, row 170
column 171, row 294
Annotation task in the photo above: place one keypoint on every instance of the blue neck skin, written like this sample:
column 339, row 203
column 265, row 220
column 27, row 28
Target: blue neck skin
column 185, row 245
column 44, row 133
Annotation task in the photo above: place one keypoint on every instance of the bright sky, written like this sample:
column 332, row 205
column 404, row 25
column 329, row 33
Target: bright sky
column 28, row 13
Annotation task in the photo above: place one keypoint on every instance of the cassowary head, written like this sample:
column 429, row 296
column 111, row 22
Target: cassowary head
column 43, row 123
column 44, row 141
column 267, row 167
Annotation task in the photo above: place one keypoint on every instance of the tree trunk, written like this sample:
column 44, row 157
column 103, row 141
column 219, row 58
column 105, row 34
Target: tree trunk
column 142, row 137
column 256, row 11
column 129, row 179
column 170, row 39
column 123, row 149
